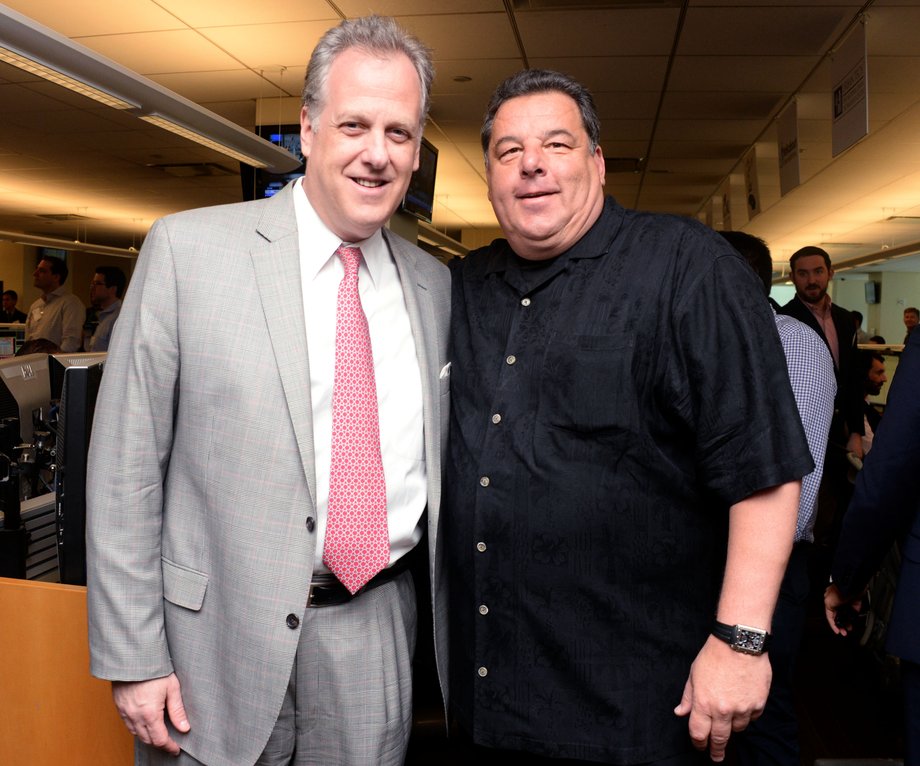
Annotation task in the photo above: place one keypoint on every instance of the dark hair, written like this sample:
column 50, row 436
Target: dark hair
column 755, row 252
column 865, row 359
column 57, row 266
column 114, row 277
column 913, row 310
column 38, row 346
column 12, row 293
column 809, row 250
column 877, row 339
column 530, row 81
column 374, row 34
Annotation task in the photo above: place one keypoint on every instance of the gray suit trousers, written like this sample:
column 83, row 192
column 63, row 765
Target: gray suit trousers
column 349, row 700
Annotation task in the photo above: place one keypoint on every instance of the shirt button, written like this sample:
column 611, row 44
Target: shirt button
column 525, row 302
column 484, row 481
column 292, row 621
column 483, row 609
column 510, row 359
column 481, row 547
column 310, row 523
column 483, row 672
column 496, row 418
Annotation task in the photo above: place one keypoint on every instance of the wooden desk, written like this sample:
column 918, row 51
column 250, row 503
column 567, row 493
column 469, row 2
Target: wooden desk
column 52, row 712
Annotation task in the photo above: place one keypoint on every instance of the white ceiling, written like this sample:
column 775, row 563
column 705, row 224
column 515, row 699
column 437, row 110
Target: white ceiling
column 689, row 87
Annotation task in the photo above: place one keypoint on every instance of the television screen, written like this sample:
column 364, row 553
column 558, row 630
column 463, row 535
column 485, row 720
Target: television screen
column 80, row 379
column 419, row 199
column 258, row 183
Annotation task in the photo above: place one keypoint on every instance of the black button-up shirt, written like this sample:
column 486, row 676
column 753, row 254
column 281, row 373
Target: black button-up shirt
column 608, row 407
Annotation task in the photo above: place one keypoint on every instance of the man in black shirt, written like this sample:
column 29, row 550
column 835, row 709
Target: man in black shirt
column 9, row 313
column 618, row 386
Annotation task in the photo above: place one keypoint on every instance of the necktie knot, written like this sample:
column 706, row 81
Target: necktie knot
column 350, row 258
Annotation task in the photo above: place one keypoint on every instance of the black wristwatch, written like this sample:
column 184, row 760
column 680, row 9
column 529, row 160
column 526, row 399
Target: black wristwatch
column 742, row 638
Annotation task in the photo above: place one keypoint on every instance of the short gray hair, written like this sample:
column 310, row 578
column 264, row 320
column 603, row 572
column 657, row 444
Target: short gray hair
column 529, row 81
column 374, row 34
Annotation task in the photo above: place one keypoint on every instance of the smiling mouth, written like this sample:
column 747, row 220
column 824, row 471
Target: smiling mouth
column 368, row 183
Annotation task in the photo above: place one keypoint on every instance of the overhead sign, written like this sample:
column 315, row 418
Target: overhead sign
column 787, row 139
column 850, row 92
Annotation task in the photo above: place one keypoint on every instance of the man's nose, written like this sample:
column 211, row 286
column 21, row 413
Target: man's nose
column 532, row 162
column 375, row 149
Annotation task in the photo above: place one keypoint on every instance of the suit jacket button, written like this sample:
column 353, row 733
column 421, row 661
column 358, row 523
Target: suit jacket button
column 310, row 523
column 293, row 621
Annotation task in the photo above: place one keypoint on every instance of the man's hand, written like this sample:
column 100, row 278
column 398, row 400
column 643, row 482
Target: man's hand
column 835, row 612
column 726, row 690
column 141, row 705
column 854, row 445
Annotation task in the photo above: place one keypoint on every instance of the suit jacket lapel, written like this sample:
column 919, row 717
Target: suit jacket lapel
column 423, row 323
column 278, row 280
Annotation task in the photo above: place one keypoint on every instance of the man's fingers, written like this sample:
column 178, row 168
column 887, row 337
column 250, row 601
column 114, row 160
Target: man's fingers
column 718, row 737
column 686, row 701
column 158, row 736
column 175, row 709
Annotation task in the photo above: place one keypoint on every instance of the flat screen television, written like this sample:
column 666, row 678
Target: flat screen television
column 79, row 376
column 419, row 200
column 258, row 183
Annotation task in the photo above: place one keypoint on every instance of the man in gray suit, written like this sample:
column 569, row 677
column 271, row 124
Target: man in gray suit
column 212, row 604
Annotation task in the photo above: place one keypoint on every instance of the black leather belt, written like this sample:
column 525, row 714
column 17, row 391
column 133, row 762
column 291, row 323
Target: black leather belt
column 326, row 590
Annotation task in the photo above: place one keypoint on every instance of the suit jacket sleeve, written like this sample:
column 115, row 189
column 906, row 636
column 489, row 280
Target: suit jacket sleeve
column 887, row 492
column 129, row 453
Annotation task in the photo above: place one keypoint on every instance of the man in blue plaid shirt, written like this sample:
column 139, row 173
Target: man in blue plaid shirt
column 774, row 736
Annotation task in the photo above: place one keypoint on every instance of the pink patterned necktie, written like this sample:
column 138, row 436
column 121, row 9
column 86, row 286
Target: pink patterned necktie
column 357, row 542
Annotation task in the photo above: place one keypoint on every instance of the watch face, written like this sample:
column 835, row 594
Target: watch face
column 749, row 640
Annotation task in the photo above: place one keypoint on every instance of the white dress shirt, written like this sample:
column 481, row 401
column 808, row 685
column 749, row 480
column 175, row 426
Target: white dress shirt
column 396, row 371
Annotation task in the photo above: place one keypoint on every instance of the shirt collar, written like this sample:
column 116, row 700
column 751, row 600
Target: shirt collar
column 595, row 242
column 54, row 294
column 821, row 308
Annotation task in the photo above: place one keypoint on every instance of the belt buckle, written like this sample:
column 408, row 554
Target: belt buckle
column 310, row 595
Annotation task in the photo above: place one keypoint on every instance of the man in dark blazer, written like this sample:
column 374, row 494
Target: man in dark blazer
column 886, row 507
column 811, row 274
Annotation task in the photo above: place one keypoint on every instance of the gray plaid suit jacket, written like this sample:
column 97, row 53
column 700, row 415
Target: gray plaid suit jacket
column 201, row 467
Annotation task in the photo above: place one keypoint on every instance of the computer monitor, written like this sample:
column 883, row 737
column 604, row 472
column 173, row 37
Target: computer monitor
column 25, row 389
column 80, row 376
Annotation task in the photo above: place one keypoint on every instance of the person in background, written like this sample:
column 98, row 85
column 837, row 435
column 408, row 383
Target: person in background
column 774, row 737
column 10, row 314
column 619, row 397
column 861, row 335
column 911, row 318
column 873, row 367
column 105, row 292
column 266, row 449
column 57, row 315
column 884, row 509
column 812, row 273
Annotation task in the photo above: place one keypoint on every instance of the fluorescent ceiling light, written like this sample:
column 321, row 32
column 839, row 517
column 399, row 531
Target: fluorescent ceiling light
column 35, row 240
column 191, row 135
column 59, row 78
column 44, row 53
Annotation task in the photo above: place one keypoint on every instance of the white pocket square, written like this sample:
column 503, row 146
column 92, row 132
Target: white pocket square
column 445, row 371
